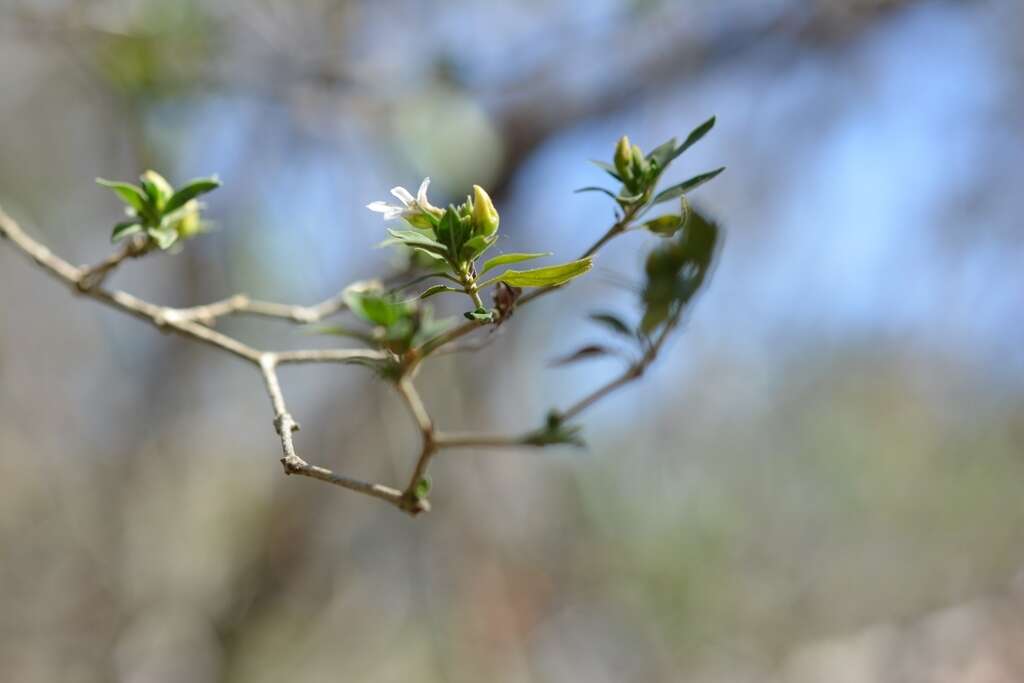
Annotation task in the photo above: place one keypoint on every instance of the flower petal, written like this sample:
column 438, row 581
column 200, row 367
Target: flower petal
column 402, row 195
column 421, row 195
column 388, row 210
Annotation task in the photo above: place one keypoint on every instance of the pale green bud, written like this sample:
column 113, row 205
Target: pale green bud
column 485, row 216
column 639, row 163
column 623, row 155
column 189, row 224
column 161, row 188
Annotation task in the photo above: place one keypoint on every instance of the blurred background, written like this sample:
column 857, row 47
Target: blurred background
column 820, row 480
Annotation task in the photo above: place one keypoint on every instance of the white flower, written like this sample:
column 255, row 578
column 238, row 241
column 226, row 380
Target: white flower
column 414, row 209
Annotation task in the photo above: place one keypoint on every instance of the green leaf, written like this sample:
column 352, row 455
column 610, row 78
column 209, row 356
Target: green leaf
column 378, row 310
column 614, row 323
column 131, row 195
column 663, row 153
column 124, row 229
column 665, row 225
column 438, row 259
column 422, row 487
column 475, row 247
column 190, row 191
column 694, row 137
column 505, row 259
column 555, row 431
column 608, row 168
column 588, row 352
column 685, row 186
column 164, row 237
column 413, row 238
column 368, row 301
column 549, row 276
column 451, row 232
column 480, row 315
column 438, row 289
column 594, row 188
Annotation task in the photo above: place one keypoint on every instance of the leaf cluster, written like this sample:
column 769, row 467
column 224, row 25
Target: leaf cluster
column 155, row 209
column 639, row 175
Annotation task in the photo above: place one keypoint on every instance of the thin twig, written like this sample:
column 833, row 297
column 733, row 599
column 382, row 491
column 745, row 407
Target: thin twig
column 429, row 445
column 285, row 425
column 186, row 322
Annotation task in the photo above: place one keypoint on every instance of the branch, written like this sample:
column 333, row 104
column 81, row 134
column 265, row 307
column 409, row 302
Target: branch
column 195, row 323
column 242, row 304
column 412, row 400
column 285, row 425
column 87, row 282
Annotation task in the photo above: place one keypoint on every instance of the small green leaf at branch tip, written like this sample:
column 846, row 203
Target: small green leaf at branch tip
column 163, row 237
column 554, row 432
column 548, row 276
column 131, row 195
column 480, row 315
column 588, row 352
column 695, row 135
column 505, row 259
column 438, row 289
column 685, row 186
column 422, row 488
column 125, row 229
column 613, row 323
column 190, row 191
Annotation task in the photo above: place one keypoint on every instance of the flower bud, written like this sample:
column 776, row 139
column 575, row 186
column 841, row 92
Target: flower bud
column 623, row 154
column 161, row 188
column 639, row 162
column 189, row 224
column 485, row 216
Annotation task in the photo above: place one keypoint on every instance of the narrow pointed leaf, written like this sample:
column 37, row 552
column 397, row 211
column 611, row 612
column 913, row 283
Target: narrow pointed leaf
column 608, row 168
column 415, row 238
column 549, row 276
column 685, row 186
column 614, row 323
column 663, row 153
column 505, row 259
column 694, row 137
column 131, row 195
column 190, row 191
column 124, row 229
column 594, row 188
column 438, row 289
column 588, row 352
column 475, row 247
